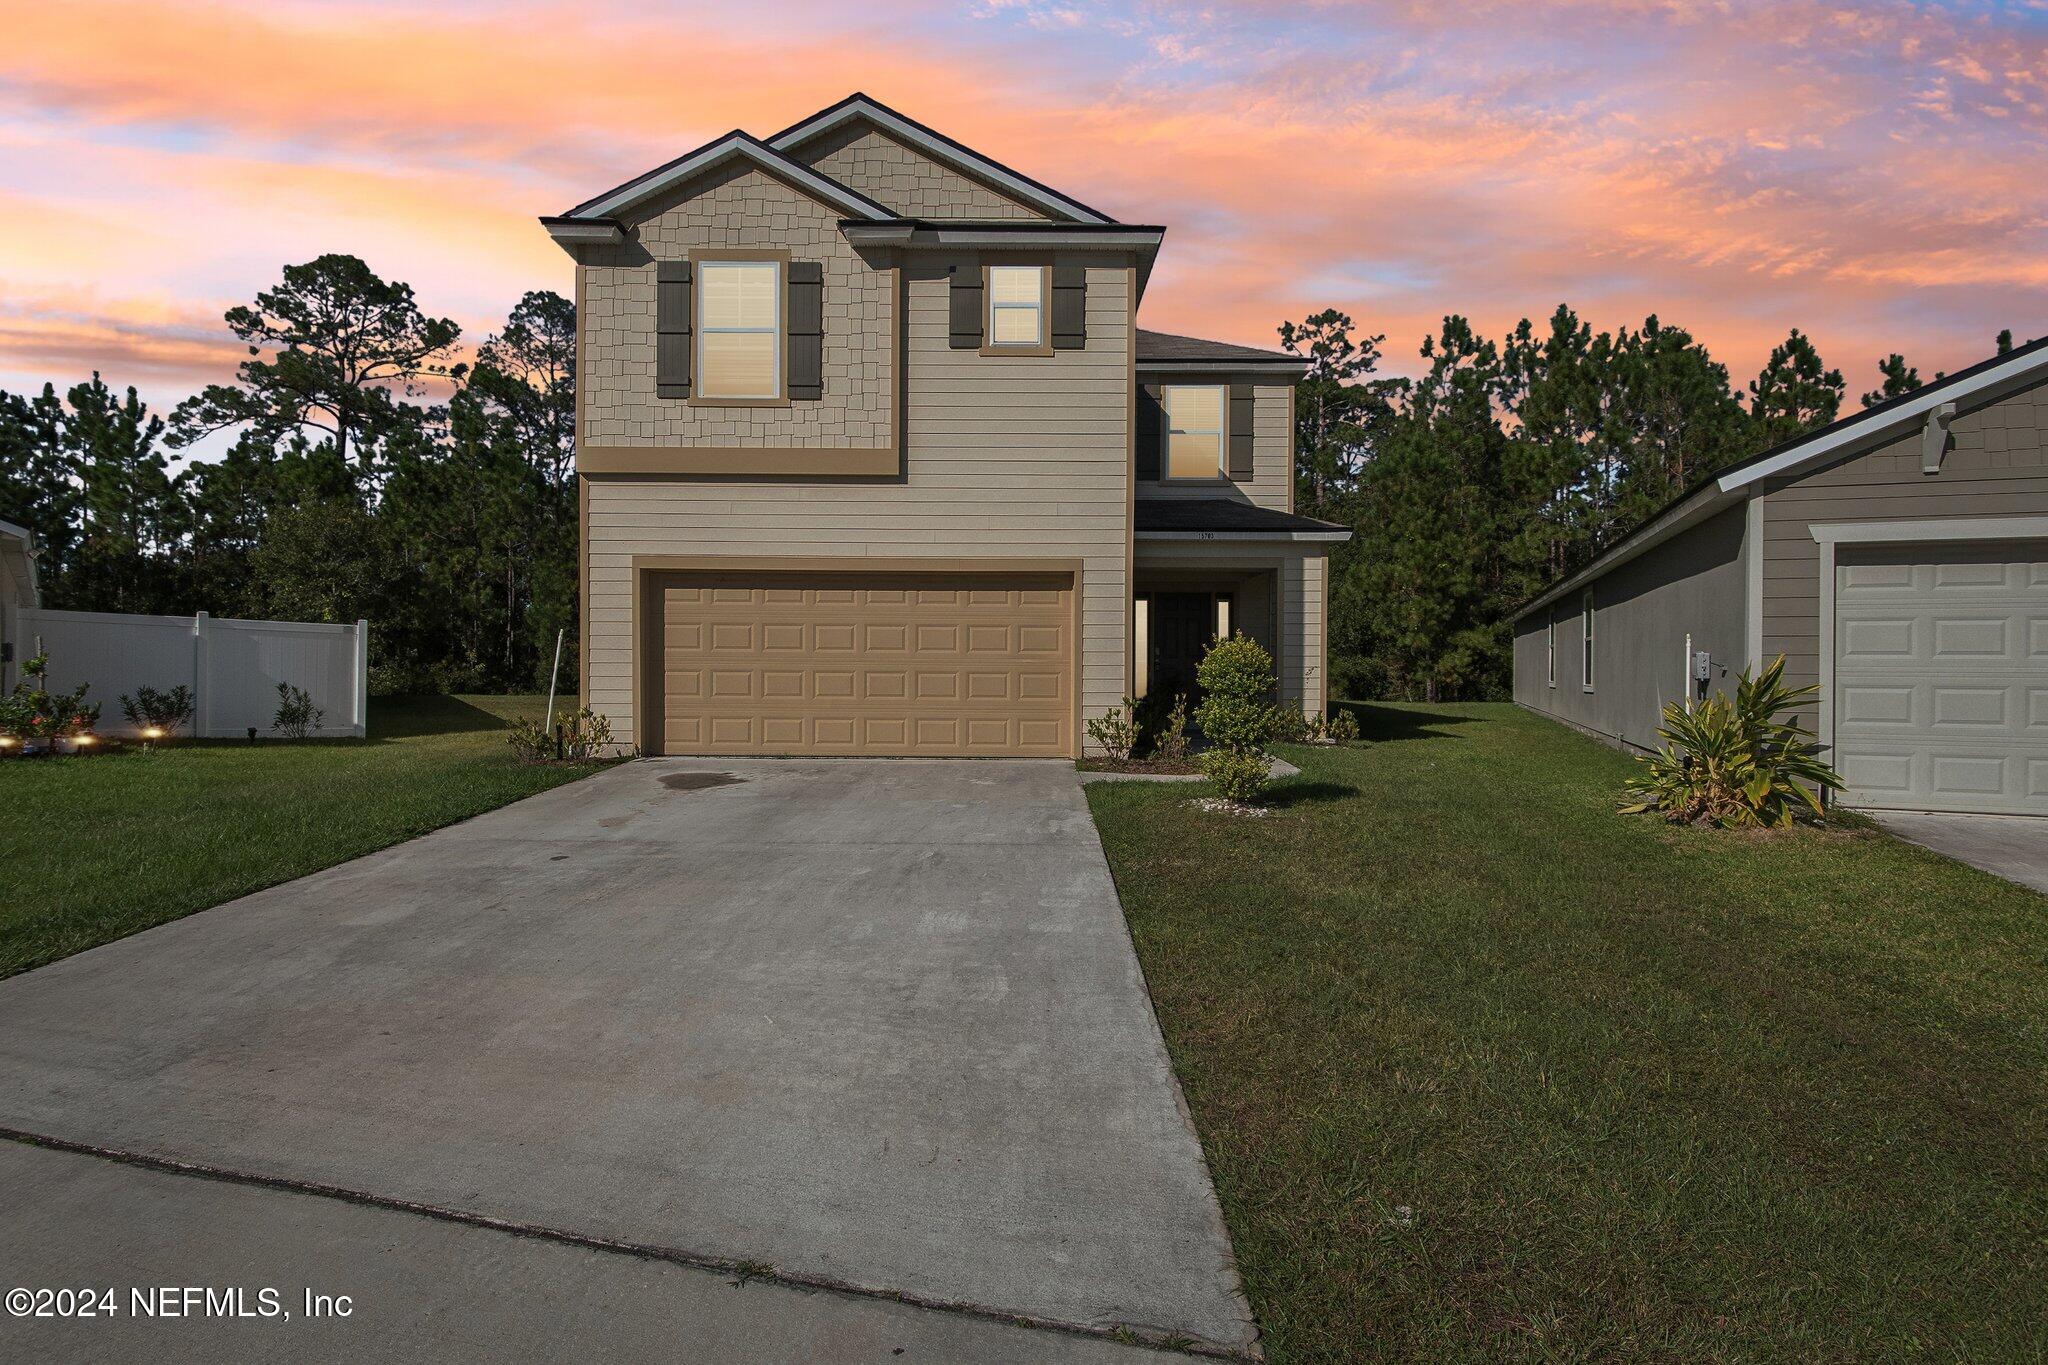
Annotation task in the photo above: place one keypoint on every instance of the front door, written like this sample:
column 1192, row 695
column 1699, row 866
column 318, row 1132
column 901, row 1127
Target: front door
column 1183, row 623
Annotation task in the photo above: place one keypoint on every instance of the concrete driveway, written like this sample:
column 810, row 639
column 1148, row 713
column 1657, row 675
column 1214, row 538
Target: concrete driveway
column 2014, row 847
column 873, row 1024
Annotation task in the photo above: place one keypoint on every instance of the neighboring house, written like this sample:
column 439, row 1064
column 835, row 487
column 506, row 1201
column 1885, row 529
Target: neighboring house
column 1898, row 558
column 17, row 590
column 875, row 459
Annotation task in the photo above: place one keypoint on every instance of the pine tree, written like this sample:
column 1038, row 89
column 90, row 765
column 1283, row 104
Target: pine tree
column 1899, row 379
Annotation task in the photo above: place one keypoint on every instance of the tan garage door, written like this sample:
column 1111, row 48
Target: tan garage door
column 755, row 663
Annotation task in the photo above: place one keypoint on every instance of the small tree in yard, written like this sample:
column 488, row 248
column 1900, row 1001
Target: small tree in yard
column 1236, row 676
column 296, row 714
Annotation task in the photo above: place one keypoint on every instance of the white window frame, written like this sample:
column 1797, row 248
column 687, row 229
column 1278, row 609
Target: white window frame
column 1038, row 310
column 777, row 328
column 1167, row 429
column 1586, row 641
column 1550, row 648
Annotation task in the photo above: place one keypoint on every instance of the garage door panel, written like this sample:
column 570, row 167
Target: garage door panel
column 934, row 665
column 1941, row 698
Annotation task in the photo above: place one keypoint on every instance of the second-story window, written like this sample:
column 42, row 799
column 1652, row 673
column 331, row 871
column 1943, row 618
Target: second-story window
column 1016, row 305
column 739, row 329
column 1194, row 430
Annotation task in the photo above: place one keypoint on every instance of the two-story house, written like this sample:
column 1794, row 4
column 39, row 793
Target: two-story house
column 875, row 458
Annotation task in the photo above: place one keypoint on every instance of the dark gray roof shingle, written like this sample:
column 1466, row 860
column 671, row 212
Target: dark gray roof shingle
column 1219, row 514
column 1165, row 348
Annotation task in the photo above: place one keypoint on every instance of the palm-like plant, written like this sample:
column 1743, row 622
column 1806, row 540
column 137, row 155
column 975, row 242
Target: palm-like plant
column 1738, row 765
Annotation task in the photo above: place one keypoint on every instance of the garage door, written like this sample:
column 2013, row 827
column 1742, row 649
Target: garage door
column 1941, row 667
column 866, row 664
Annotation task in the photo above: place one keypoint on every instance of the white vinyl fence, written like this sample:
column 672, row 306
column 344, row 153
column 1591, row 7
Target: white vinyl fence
column 232, row 667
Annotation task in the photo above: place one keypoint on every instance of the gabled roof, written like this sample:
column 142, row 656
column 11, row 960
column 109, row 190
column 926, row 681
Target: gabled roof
column 1851, row 435
column 1165, row 350
column 736, row 144
column 941, row 148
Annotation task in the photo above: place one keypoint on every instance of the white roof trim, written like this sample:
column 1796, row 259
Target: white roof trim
column 731, row 145
column 957, row 157
column 1908, row 413
column 1927, row 530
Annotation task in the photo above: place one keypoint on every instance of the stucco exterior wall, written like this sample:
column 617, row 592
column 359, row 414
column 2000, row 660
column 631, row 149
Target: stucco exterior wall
column 1272, row 453
column 1005, row 457
column 903, row 178
column 1996, row 466
column 1695, row 582
column 725, row 209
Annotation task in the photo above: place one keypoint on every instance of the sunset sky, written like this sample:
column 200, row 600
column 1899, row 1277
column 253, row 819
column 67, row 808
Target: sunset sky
column 1875, row 174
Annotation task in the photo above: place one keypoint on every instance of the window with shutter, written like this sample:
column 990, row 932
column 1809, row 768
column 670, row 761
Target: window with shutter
column 1194, row 430
column 739, row 329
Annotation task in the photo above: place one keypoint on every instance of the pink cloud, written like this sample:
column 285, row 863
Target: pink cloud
column 1869, row 174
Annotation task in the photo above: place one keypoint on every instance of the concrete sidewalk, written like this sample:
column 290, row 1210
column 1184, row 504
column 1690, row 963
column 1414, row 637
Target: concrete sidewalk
column 872, row 1023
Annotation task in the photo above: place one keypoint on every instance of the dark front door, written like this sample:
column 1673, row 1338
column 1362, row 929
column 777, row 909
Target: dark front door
column 1182, row 625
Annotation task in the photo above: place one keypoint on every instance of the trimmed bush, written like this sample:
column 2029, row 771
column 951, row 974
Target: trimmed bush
column 1236, row 676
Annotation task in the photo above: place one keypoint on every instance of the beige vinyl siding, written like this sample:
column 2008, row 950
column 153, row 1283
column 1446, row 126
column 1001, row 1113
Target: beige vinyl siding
column 1007, row 457
column 875, row 164
column 1997, row 466
column 1300, row 575
column 1272, row 454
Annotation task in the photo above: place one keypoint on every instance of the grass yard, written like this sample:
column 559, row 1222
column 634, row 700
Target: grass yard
column 1487, row 1071
column 94, row 849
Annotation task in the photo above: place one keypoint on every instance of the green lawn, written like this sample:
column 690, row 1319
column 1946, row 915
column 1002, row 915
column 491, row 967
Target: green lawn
column 1487, row 1071
column 94, row 849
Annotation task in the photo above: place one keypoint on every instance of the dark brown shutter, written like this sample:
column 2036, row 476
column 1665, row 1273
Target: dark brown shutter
column 1151, row 431
column 672, row 329
column 806, row 330
column 1069, row 307
column 966, row 312
column 1241, row 464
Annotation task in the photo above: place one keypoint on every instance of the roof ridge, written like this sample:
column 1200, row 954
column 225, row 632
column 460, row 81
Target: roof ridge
column 959, row 148
column 745, row 139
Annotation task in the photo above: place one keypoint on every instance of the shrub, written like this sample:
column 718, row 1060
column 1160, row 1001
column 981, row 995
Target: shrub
column 1236, row 676
column 1170, row 745
column 587, row 735
column 296, row 714
column 1342, row 727
column 531, row 741
column 1237, row 774
column 1736, row 765
column 33, row 712
column 165, row 712
column 1115, row 731
column 1290, row 725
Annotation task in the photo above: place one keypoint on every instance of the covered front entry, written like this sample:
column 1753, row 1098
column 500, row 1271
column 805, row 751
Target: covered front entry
column 862, row 663
column 1179, row 628
column 1941, row 675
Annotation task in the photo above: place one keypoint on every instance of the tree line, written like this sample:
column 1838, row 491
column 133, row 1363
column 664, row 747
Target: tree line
column 343, row 493
column 1508, row 464
column 451, row 525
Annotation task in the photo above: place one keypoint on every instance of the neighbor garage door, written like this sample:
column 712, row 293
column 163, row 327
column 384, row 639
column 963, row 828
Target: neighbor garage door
column 1941, row 667
column 865, row 664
